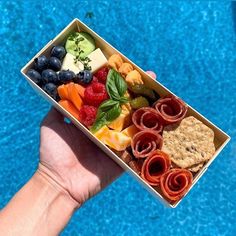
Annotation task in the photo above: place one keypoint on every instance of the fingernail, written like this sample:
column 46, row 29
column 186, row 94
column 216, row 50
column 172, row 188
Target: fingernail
column 152, row 74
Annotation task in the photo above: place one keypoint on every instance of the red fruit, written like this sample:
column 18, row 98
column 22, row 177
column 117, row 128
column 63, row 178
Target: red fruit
column 95, row 79
column 87, row 115
column 95, row 94
column 102, row 74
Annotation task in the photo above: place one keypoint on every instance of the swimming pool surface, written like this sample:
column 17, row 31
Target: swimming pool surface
column 192, row 48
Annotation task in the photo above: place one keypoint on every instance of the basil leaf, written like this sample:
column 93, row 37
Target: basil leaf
column 115, row 85
column 107, row 112
column 108, row 104
column 113, row 113
column 98, row 125
column 124, row 100
column 120, row 84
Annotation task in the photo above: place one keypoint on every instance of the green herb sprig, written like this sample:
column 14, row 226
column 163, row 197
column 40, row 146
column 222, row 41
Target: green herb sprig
column 78, row 51
column 110, row 109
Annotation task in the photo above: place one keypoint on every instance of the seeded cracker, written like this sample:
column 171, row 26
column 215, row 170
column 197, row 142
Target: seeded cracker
column 189, row 143
column 196, row 168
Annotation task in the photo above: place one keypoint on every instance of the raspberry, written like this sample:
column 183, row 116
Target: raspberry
column 87, row 115
column 102, row 74
column 95, row 79
column 95, row 94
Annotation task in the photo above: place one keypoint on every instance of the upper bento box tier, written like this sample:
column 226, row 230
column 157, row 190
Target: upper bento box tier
column 150, row 132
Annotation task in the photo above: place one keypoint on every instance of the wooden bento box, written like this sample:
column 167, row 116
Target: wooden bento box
column 220, row 138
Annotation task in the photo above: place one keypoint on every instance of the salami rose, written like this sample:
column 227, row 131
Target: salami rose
column 147, row 118
column 145, row 142
column 156, row 164
column 171, row 109
column 175, row 183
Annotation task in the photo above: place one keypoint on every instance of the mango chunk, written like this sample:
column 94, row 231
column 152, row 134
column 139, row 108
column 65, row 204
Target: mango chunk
column 117, row 140
column 130, row 131
column 102, row 133
column 123, row 120
column 113, row 139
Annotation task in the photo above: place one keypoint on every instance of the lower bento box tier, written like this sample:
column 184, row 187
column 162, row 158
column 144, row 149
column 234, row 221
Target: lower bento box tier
column 144, row 127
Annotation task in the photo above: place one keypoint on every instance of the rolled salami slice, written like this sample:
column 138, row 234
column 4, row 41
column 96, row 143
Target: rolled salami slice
column 175, row 183
column 156, row 164
column 145, row 142
column 171, row 108
column 147, row 118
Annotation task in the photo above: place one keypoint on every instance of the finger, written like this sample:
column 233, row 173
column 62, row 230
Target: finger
column 52, row 116
column 152, row 74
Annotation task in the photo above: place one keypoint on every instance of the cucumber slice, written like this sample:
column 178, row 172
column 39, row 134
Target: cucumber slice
column 86, row 43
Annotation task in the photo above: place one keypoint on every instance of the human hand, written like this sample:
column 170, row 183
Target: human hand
column 72, row 160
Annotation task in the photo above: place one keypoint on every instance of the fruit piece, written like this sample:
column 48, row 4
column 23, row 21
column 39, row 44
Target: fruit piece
column 63, row 91
column 34, row 75
column 139, row 102
column 125, row 68
column 130, row 131
column 101, row 74
column 81, row 40
column 97, row 60
column 84, row 77
column 41, row 63
column 87, row 115
column 54, row 63
column 69, row 106
column 123, row 120
column 133, row 78
column 117, row 140
column 80, row 89
column 74, row 96
column 141, row 89
column 95, row 79
column 69, row 64
column 115, row 61
column 66, row 76
column 95, row 94
column 113, row 139
column 51, row 89
column 49, row 76
column 58, row 51
column 102, row 133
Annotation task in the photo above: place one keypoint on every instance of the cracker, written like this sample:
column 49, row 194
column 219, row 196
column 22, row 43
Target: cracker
column 188, row 143
column 196, row 168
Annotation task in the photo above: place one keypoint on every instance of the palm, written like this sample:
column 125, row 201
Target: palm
column 76, row 163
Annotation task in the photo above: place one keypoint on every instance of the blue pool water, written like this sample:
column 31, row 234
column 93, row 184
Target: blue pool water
column 191, row 46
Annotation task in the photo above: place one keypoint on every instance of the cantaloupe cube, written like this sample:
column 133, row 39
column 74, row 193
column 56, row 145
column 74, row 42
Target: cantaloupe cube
column 130, row 131
column 123, row 120
column 117, row 140
column 102, row 133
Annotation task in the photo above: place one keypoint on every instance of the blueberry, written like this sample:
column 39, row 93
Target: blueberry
column 49, row 76
column 34, row 75
column 41, row 63
column 84, row 77
column 51, row 89
column 66, row 76
column 58, row 51
column 54, row 63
